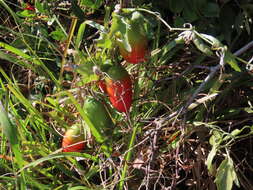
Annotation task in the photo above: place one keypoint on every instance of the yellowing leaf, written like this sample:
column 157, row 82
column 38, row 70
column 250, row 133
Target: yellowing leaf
column 210, row 157
column 226, row 175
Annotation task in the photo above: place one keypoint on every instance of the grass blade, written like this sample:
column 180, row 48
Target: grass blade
column 30, row 59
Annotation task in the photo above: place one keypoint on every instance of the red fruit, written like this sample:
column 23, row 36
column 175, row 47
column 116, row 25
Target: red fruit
column 119, row 88
column 71, row 148
column 138, row 53
column 29, row 7
column 137, row 40
column 71, row 139
column 102, row 85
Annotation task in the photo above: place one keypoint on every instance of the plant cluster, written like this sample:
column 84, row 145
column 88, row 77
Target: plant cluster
column 95, row 95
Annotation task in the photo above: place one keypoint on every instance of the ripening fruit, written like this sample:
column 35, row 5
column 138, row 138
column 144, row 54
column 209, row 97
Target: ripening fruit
column 137, row 40
column 29, row 7
column 72, row 136
column 139, row 48
column 102, row 85
column 119, row 88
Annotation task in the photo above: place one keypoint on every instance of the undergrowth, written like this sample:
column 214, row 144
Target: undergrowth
column 190, row 124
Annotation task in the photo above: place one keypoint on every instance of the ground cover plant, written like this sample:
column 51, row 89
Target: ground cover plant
column 126, row 94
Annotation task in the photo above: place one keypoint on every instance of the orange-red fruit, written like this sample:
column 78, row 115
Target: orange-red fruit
column 68, row 147
column 120, row 93
column 29, row 7
column 119, row 88
column 138, row 53
column 102, row 85
column 137, row 39
column 72, row 140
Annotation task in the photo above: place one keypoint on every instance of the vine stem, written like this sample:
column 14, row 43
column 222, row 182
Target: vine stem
column 127, row 158
column 157, row 15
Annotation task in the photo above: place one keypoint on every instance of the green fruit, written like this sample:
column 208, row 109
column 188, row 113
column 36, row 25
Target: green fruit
column 98, row 115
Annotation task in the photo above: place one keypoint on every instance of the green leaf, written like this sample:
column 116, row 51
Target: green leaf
column 8, row 129
column 125, row 43
column 230, row 59
column 104, row 41
column 39, row 7
column 119, row 27
column 26, row 13
column 169, row 46
column 201, row 45
column 88, row 79
column 58, row 34
column 226, row 175
column 189, row 14
column 94, row 4
column 210, row 157
column 176, row 6
column 11, row 133
column 199, row 4
column 179, row 21
column 233, row 134
column 80, row 34
column 85, row 68
column 82, row 28
column 118, row 24
column 216, row 138
column 211, row 10
column 100, row 27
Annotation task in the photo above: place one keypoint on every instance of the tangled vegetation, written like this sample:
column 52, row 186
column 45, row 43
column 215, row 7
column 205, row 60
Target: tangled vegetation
column 126, row 95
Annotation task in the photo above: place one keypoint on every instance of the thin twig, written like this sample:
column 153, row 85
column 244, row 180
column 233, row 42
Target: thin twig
column 243, row 49
column 214, row 70
column 203, row 84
